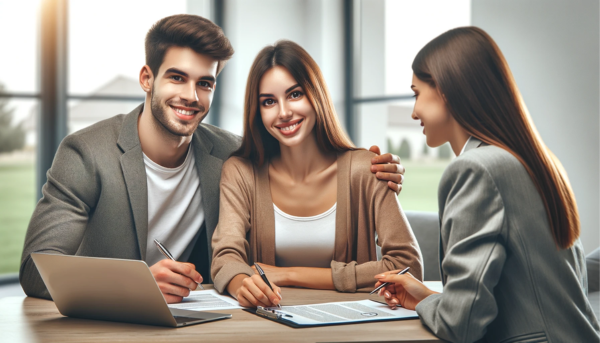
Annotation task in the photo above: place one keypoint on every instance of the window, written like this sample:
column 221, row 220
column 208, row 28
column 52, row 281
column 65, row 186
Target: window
column 387, row 36
column 103, row 64
column 18, row 106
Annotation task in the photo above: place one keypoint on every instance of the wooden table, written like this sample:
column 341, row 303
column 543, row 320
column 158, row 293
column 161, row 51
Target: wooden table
column 24, row 319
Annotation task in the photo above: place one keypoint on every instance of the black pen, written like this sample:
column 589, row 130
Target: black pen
column 403, row 271
column 168, row 255
column 264, row 277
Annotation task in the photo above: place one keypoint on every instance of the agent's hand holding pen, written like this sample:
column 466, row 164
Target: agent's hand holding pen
column 253, row 291
column 404, row 290
column 175, row 279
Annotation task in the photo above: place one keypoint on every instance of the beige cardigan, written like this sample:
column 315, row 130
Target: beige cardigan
column 365, row 206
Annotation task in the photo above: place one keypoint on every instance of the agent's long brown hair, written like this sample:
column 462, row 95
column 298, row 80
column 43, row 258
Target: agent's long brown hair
column 468, row 69
column 257, row 143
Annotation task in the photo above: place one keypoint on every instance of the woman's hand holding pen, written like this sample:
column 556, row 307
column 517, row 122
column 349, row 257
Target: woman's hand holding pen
column 404, row 290
column 252, row 291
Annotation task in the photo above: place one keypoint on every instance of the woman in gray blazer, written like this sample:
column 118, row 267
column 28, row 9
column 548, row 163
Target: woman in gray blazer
column 512, row 264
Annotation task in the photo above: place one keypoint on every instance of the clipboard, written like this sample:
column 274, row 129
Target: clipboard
column 336, row 313
column 262, row 312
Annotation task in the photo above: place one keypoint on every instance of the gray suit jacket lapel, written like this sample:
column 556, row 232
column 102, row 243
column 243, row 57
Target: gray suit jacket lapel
column 472, row 143
column 134, row 172
column 209, row 172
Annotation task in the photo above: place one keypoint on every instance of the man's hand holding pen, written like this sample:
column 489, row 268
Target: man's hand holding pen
column 175, row 279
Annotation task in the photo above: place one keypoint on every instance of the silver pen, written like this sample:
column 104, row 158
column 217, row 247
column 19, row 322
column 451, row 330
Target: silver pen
column 168, row 255
column 387, row 283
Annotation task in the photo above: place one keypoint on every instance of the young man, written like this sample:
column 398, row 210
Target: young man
column 154, row 173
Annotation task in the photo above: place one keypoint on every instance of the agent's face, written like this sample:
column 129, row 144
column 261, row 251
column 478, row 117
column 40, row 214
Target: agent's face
column 430, row 109
column 284, row 108
column 183, row 90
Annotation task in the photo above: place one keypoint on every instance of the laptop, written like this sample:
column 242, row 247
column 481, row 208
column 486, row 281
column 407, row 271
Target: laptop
column 111, row 289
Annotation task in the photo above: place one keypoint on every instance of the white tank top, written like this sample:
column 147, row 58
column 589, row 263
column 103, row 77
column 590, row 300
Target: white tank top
column 304, row 241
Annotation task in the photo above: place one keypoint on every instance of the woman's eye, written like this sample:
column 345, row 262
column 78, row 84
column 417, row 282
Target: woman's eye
column 268, row 102
column 295, row 95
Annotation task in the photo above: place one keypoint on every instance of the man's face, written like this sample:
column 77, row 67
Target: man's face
column 183, row 90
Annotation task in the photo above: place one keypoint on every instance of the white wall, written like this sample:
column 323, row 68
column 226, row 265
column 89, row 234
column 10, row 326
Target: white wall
column 370, row 76
column 552, row 47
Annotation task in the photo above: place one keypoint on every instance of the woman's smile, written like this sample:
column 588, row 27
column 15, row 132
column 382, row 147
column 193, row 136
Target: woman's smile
column 290, row 127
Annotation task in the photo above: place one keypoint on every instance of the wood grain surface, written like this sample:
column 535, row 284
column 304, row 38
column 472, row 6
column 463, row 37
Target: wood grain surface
column 35, row 320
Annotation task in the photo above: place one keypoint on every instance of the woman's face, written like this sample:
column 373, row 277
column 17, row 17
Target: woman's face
column 430, row 109
column 284, row 108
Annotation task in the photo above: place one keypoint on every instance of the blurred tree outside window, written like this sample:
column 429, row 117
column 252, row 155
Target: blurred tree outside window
column 12, row 137
column 445, row 152
column 404, row 151
column 391, row 148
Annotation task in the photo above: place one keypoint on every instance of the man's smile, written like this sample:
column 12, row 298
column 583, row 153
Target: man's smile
column 184, row 112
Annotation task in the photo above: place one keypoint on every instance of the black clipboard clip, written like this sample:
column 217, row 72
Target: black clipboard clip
column 272, row 314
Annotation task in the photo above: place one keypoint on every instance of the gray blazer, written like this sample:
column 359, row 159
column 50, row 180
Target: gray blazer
column 95, row 202
column 504, row 279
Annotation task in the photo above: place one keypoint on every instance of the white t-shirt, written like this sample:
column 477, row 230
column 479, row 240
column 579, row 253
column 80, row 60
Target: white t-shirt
column 175, row 211
column 304, row 241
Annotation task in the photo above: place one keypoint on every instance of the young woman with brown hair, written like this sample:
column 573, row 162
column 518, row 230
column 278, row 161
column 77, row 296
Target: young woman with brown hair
column 512, row 265
column 298, row 197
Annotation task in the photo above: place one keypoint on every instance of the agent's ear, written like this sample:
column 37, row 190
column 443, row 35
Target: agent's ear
column 146, row 79
column 442, row 95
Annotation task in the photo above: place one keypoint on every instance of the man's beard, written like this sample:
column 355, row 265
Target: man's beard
column 170, row 125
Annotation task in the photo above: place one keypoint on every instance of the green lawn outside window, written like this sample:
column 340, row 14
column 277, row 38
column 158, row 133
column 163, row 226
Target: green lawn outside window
column 17, row 201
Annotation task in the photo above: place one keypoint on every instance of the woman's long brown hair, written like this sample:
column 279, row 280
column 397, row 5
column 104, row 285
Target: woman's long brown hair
column 257, row 143
column 468, row 69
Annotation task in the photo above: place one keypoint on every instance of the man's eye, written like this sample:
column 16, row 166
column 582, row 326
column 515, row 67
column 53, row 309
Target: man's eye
column 176, row 78
column 204, row 84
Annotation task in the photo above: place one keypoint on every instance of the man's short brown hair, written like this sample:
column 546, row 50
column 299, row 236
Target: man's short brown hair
column 186, row 30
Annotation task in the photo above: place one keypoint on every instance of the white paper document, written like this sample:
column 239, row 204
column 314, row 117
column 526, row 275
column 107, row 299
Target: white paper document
column 435, row 286
column 339, row 313
column 205, row 301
